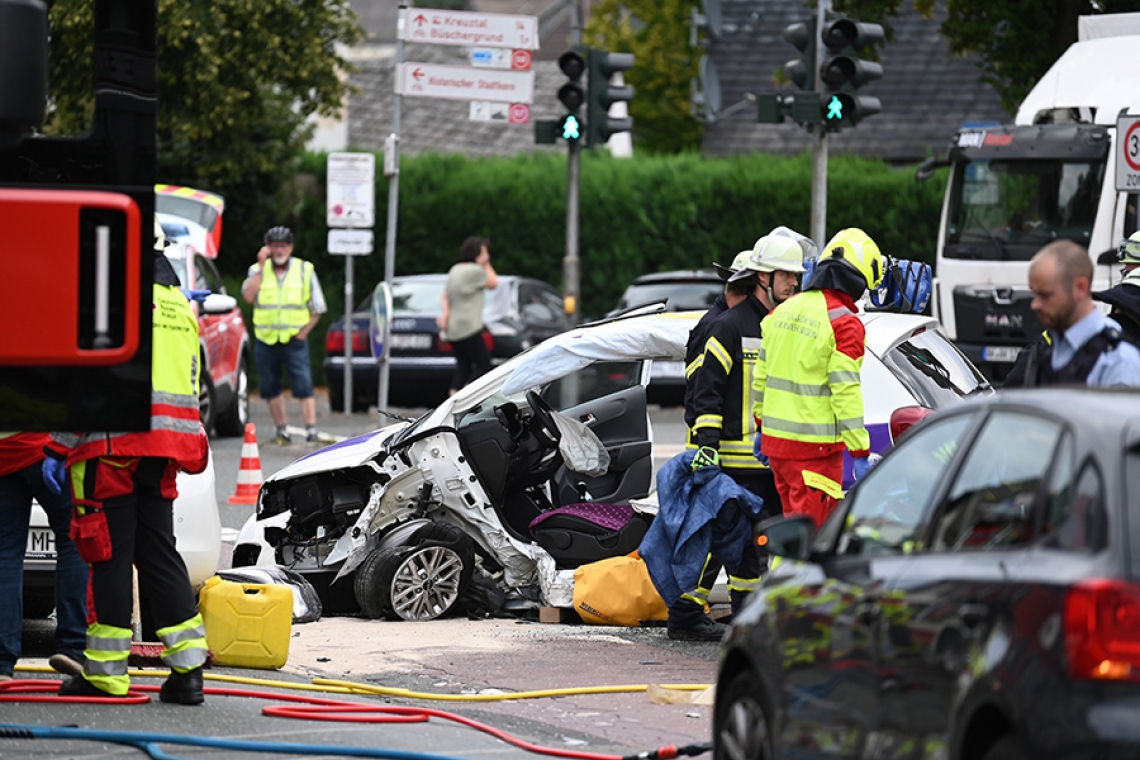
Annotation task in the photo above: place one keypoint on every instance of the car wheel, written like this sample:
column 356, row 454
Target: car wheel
column 38, row 606
column 206, row 398
column 231, row 422
column 420, row 581
column 740, row 729
column 1009, row 747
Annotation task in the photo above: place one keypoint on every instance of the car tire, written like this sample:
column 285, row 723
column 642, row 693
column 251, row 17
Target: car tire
column 231, row 422
column 207, row 398
column 420, row 581
column 1009, row 747
column 740, row 728
column 38, row 606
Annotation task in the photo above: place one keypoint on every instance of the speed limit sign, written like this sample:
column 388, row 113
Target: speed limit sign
column 1128, row 154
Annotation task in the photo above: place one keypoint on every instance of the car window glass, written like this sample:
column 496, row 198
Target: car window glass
column 991, row 504
column 424, row 297
column 532, row 306
column 207, row 276
column 592, row 382
column 1079, row 522
column 554, row 303
column 680, row 295
column 889, row 504
column 933, row 369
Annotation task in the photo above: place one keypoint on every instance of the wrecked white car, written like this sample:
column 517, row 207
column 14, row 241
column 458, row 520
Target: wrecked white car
column 393, row 523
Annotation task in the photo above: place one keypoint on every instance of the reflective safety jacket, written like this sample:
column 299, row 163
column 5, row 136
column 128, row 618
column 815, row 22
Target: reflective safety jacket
column 279, row 313
column 807, row 378
column 175, row 430
column 695, row 352
column 722, row 386
column 19, row 451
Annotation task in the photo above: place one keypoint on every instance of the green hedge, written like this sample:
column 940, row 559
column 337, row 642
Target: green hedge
column 639, row 215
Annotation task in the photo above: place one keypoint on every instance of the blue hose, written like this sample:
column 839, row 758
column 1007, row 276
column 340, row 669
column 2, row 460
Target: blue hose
column 147, row 742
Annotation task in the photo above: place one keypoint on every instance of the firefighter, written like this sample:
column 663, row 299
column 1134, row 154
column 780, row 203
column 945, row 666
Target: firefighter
column 695, row 346
column 1124, row 298
column 123, row 488
column 722, row 427
column 808, row 395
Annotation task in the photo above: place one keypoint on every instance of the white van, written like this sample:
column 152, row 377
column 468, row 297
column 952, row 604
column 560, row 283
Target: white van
column 1015, row 188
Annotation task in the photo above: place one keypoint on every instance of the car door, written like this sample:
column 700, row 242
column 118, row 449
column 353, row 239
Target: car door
column 832, row 684
column 951, row 617
column 223, row 340
column 540, row 310
column 608, row 398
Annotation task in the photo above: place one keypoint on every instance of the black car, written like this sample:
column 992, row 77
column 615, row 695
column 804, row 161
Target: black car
column 977, row 595
column 520, row 312
column 681, row 290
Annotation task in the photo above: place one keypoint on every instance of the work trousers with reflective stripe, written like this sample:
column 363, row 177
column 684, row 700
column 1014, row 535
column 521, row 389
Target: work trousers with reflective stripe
column 798, row 497
column 137, row 497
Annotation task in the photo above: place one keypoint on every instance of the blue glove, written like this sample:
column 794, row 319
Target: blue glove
column 706, row 456
column 756, row 452
column 55, row 474
column 195, row 295
column 860, row 467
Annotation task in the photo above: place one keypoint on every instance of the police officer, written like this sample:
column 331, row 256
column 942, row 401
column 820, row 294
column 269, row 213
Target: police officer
column 722, row 427
column 123, row 488
column 807, row 385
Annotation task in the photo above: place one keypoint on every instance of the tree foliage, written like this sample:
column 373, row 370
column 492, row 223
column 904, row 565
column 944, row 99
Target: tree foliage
column 1017, row 40
column 237, row 81
column 657, row 33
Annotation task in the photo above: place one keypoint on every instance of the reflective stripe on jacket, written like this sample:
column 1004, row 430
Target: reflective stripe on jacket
column 279, row 313
column 807, row 379
column 722, row 386
column 175, row 429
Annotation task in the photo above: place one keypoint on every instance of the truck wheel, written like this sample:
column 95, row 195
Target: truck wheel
column 231, row 422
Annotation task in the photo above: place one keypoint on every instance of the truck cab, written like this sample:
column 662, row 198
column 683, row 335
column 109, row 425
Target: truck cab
column 1013, row 189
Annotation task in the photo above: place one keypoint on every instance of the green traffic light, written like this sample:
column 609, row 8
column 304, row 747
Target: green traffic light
column 835, row 109
column 571, row 127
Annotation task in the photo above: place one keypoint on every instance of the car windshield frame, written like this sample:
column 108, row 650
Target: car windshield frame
column 1006, row 209
column 187, row 208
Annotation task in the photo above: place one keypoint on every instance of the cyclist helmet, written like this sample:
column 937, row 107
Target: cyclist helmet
column 279, row 234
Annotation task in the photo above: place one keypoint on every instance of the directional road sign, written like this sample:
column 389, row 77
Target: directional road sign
column 351, row 198
column 429, row 80
column 437, row 27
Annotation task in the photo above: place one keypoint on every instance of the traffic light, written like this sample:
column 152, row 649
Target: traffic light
column 601, row 95
column 843, row 72
column 802, row 70
column 571, row 94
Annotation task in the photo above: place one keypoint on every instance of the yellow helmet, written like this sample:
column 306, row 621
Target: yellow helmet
column 856, row 248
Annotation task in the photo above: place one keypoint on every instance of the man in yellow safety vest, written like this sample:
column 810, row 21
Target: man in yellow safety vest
column 808, row 395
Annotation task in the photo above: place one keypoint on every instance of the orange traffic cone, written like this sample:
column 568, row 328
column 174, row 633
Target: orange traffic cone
column 249, row 476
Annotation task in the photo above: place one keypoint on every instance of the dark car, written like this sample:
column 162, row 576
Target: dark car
column 682, row 290
column 977, row 595
column 519, row 313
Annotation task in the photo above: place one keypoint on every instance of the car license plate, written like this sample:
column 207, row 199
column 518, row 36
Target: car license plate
column 1000, row 353
column 667, row 370
column 41, row 544
column 418, row 341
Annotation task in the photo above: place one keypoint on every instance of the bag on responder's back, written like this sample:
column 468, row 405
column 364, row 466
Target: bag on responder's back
column 617, row 591
column 906, row 287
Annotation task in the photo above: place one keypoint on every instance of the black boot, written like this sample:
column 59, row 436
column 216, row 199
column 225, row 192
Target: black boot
column 78, row 686
column 705, row 629
column 183, row 688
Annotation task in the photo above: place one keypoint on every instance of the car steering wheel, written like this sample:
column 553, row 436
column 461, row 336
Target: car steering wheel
column 543, row 419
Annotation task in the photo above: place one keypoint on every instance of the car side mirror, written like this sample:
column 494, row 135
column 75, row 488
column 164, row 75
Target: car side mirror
column 786, row 536
column 1109, row 257
column 928, row 167
column 218, row 303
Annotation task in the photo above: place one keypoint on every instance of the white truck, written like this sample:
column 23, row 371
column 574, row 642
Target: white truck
column 1053, row 174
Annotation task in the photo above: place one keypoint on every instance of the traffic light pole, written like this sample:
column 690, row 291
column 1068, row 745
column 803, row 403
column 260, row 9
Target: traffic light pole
column 819, row 147
column 570, row 269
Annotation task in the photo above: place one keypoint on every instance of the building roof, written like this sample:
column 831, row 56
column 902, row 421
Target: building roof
column 926, row 93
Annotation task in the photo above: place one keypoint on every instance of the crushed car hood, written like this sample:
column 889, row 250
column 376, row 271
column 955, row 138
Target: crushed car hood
column 349, row 453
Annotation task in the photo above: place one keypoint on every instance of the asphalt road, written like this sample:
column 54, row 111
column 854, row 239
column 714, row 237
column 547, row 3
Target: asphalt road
column 455, row 657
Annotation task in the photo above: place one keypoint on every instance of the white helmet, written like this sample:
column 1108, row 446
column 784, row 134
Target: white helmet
column 159, row 236
column 737, row 264
column 781, row 250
